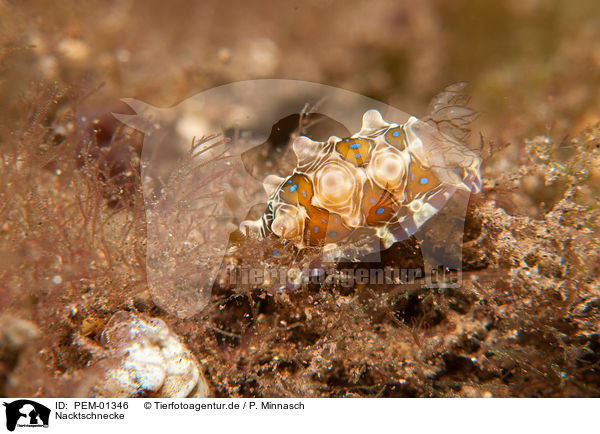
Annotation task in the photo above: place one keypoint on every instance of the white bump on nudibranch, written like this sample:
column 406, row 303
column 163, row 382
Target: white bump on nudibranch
column 252, row 228
column 414, row 142
column 306, row 149
column 288, row 222
column 271, row 183
column 387, row 168
column 372, row 121
column 334, row 185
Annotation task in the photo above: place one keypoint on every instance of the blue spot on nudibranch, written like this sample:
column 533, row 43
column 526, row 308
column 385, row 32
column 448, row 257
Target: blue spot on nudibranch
column 354, row 146
column 396, row 133
column 316, row 229
column 333, row 234
column 290, row 181
column 275, row 252
column 357, row 156
column 324, row 221
column 372, row 200
column 293, row 188
column 380, row 210
column 412, row 176
column 304, row 193
column 346, row 140
column 424, row 181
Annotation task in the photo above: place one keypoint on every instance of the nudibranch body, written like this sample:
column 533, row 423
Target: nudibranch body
column 388, row 178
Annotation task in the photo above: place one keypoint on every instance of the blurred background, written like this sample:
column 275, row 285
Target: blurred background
column 72, row 222
column 533, row 65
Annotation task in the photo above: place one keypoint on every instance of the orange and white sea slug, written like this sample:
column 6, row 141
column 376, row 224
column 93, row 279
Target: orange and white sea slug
column 386, row 178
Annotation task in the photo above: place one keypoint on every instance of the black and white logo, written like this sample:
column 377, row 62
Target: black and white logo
column 25, row 413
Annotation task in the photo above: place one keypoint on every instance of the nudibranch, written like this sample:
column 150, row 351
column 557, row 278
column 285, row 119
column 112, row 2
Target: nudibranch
column 388, row 178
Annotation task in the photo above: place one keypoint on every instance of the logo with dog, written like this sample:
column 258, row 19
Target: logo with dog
column 25, row 413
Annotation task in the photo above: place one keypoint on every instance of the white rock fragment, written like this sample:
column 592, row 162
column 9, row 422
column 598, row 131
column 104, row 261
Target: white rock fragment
column 148, row 360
